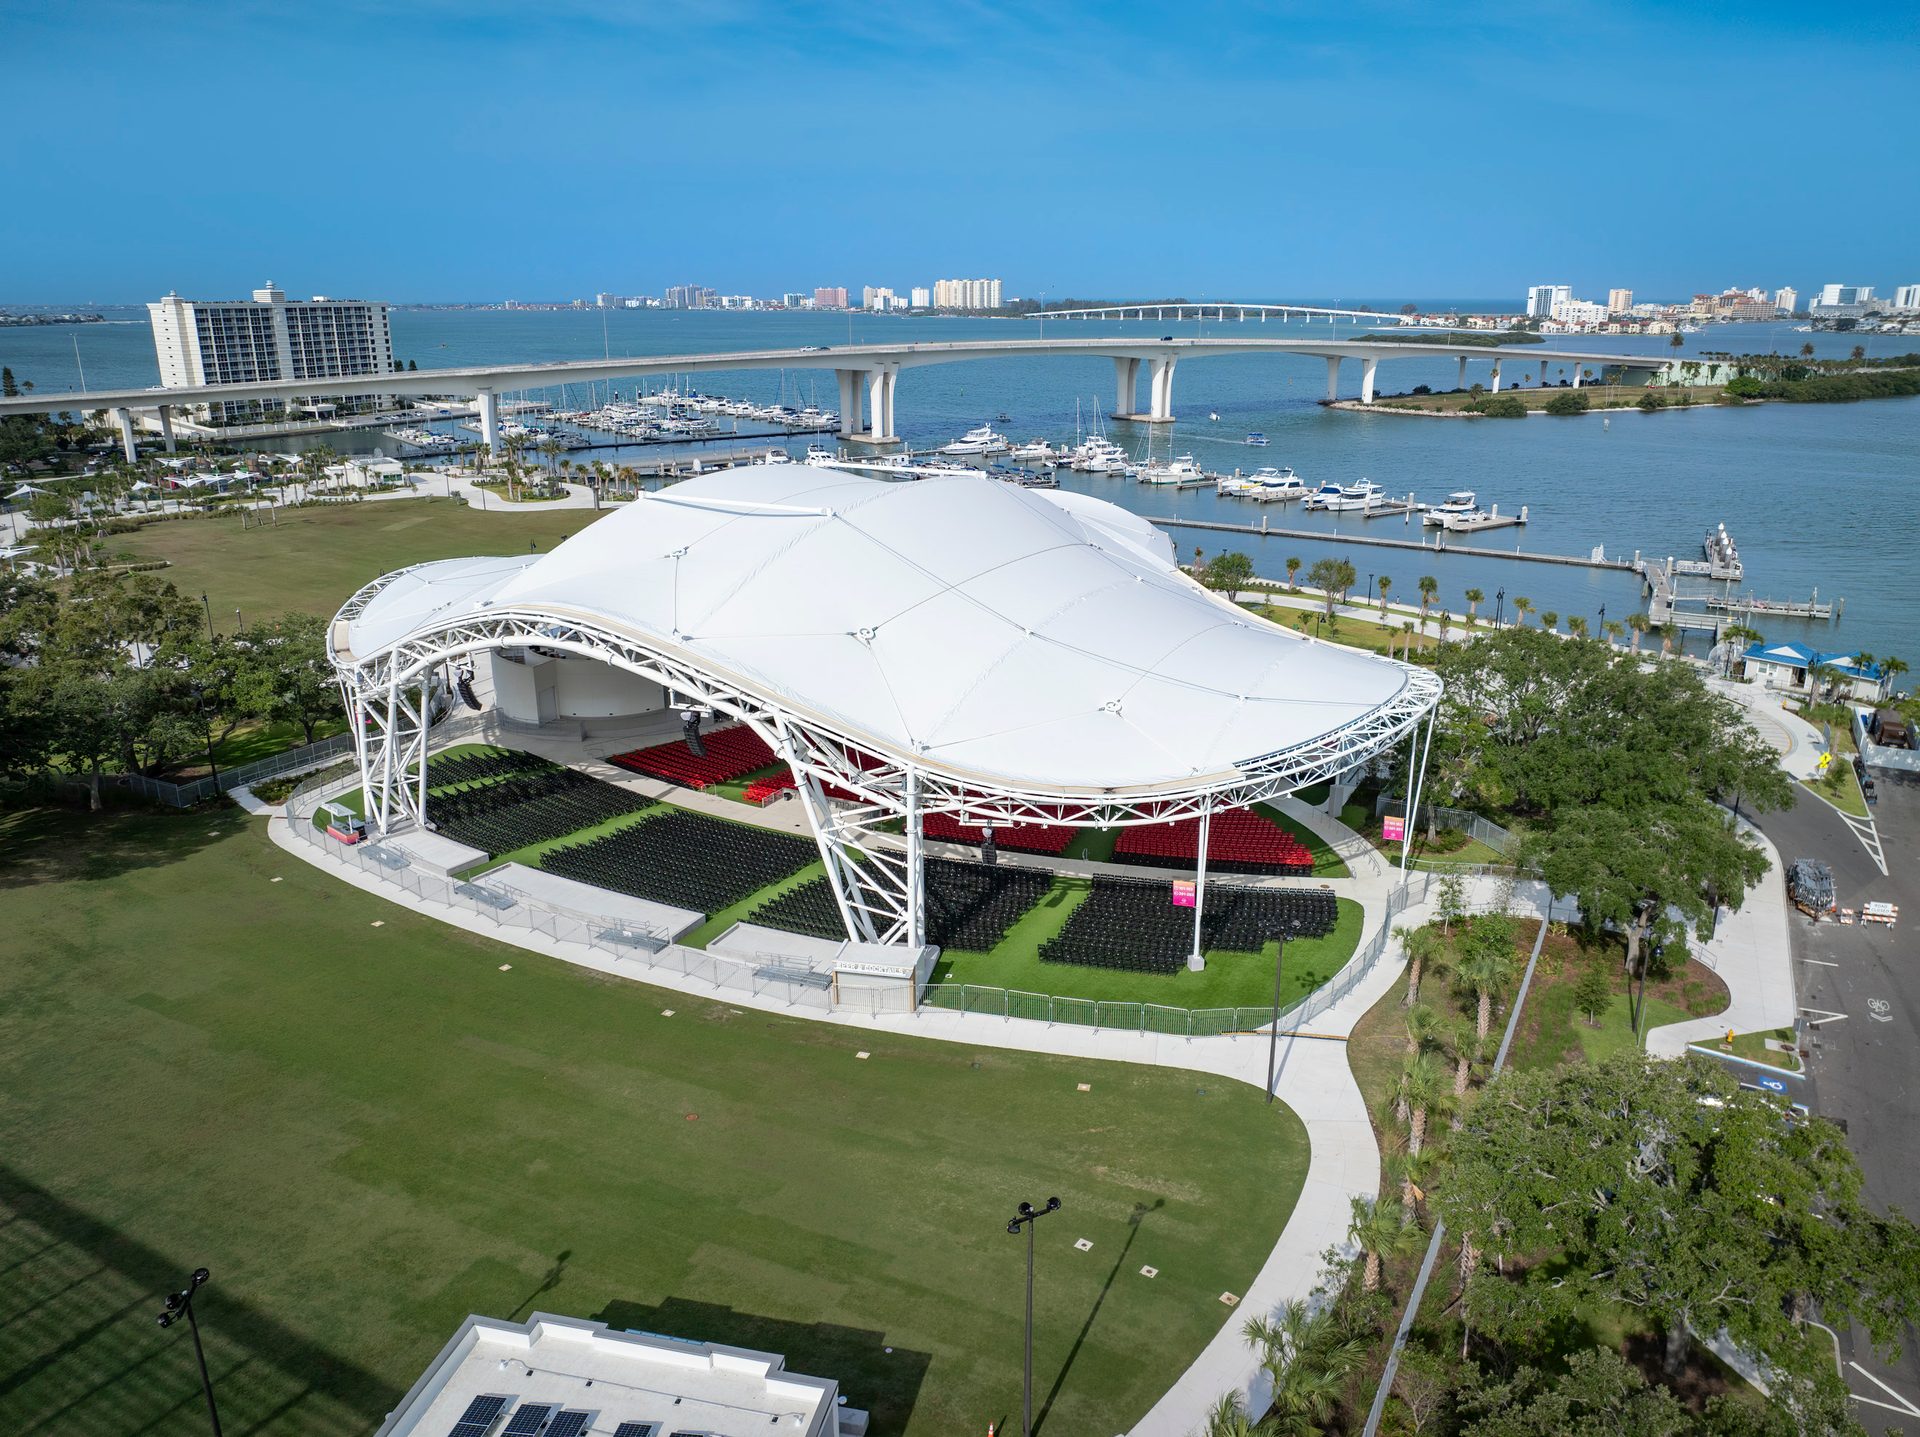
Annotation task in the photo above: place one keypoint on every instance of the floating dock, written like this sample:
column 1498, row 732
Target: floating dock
column 1323, row 536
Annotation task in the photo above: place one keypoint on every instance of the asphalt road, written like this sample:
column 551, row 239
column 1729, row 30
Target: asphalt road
column 1860, row 1005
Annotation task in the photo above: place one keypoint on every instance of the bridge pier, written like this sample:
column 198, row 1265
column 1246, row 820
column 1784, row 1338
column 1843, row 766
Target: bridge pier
column 1126, row 380
column 1333, row 377
column 1367, row 367
column 166, row 427
column 875, row 426
column 1461, row 382
column 1576, row 376
column 1160, row 385
column 489, row 404
column 849, row 381
column 1496, row 376
column 128, row 444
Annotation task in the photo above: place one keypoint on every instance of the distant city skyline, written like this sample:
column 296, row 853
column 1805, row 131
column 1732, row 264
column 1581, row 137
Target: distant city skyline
column 1299, row 152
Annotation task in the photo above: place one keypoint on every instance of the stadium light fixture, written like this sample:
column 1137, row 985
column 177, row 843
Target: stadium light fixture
column 1027, row 1216
column 179, row 1305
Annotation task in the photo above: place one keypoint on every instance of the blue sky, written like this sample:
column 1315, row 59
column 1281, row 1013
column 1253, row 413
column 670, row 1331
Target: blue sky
column 467, row 149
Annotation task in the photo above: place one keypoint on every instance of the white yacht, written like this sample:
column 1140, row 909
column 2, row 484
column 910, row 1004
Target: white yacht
column 1032, row 451
column 1181, row 470
column 821, row 457
column 1363, row 495
column 1271, row 486
column 1460, row 501
column 982, row 440
column 1257, row 440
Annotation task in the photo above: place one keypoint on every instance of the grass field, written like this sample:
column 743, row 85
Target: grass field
column 314, row 559
column 368, row 1132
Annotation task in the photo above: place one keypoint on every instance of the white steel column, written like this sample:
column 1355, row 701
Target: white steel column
column 1416, row 782
column 127, row 444
column 1126, row 379
column 849, row 380
column 1367, row 366
column 166, row 427
column 1197, row 960
column 1333, row 377
column 489, row 403
column 916, row 865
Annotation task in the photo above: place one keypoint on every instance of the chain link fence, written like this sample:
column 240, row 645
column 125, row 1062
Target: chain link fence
column 1471, row 824
column 199, row 790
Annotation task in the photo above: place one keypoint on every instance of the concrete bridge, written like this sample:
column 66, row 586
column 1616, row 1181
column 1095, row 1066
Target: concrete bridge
column 867, row 374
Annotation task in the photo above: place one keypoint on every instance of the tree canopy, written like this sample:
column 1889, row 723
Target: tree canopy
column 1665, row 1187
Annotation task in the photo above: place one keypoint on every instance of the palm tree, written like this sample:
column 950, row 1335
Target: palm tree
column 1614, row 630
column 1380, row 1233
column 1859, row 353
column 1412, row 1173
column 1485, row 968
column 1385, row 584
column 1421, row 945
column 1522, row 606
column 1308, row 1358
column 1423, row 1027
column 1228, row 1418
column 1549, row 619
column 1577, row 626
column 1639, row 623
column 1293, row 568
column 1474, row 596
column 1735, row 636
column 1423, row 1091
column 1891, row 669
column 1666, row 632
column 1429, row 586
column 1806, row 351
column 1445, row 619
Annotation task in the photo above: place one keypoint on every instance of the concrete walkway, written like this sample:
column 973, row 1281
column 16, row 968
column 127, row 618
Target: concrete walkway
column 1314, row 1080
column 1753, row 954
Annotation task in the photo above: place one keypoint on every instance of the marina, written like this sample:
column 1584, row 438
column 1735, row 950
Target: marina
column 1263, row 530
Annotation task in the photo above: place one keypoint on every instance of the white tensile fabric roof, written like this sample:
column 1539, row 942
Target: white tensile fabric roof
column 1017, row 636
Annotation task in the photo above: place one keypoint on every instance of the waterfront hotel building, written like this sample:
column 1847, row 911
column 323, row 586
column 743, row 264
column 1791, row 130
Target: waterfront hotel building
column 270, row 337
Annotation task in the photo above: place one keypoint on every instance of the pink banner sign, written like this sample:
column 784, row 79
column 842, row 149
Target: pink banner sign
column 1393, row 829
column 1183, row 893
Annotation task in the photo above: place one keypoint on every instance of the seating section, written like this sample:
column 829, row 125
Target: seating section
column 445, row 770
column 764, row 790
column 969, row 905
column 1050, row 839
column 1132, row 924
column 684, row 859
column 530, row 808
column 972, row 905
column 1240, row 841
column 730, row 754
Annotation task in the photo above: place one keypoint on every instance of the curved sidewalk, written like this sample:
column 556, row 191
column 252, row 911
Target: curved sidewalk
column 1313, row 1079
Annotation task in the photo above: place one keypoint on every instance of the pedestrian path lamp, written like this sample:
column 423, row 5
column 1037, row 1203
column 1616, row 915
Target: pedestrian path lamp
column 179, row 1305
column 1499, row 606
column 1273, row 1039
column 1027, row 1217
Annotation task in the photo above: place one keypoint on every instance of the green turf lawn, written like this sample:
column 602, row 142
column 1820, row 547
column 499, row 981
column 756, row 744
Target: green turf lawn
column 369, row 1132
column 314, row 559
column 1230, row 980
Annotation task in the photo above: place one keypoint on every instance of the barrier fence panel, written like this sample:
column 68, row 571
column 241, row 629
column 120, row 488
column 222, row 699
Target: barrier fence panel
column 1500, row 840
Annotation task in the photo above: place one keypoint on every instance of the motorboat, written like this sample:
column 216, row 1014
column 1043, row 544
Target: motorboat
column 1363, row 495
column 1272, row 486
column 1174, row 471
column 1033, row 450
column 1213, row 416
column 820, row 457
column 1460, row 501
column 1257, row 440
column 982, row 440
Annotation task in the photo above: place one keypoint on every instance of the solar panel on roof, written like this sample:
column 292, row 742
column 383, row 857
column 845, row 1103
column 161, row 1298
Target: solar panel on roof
column 528, row 1421
column 569, row 1424
column 634, row 1429
column 481, row 1414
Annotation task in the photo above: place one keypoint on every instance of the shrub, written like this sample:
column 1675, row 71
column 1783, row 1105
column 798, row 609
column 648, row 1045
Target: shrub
column 1500, row 406
column 1650, row 402
column 1573, row 402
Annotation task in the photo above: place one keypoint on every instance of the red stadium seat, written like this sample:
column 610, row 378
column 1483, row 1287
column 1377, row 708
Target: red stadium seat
column 1240, row 841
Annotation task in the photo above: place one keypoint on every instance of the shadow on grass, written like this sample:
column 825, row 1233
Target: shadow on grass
column 1134, row 1219
column 83, row 1355
column 48, row 842
column 886, row 1381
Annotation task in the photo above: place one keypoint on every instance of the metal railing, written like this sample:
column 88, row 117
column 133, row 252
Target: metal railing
column 1473, row 825
column 185, row 795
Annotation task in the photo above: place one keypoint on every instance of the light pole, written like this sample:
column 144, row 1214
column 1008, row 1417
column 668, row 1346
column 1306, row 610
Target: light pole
column 1028, row 1216
column 180, row 1304
column 1499, row 606
column 1273, row 1040
column 209, row 606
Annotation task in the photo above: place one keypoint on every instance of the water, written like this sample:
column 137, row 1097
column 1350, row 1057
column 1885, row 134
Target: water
column 1815, row 495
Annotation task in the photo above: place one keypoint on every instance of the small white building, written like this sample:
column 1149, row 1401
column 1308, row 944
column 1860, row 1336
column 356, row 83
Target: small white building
column 567, row 1377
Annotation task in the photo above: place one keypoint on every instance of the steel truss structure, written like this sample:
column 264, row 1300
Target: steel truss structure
column 853, row 789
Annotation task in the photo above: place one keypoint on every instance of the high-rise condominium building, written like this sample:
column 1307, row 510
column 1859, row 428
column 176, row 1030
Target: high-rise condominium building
column 1619, row 301
column 1838, row 294
column 269, row 337
column 920, row 297
column 1541, row 299
column 830, row 296
column 1786, row 299
column 966, row 294
column 1907, row 296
